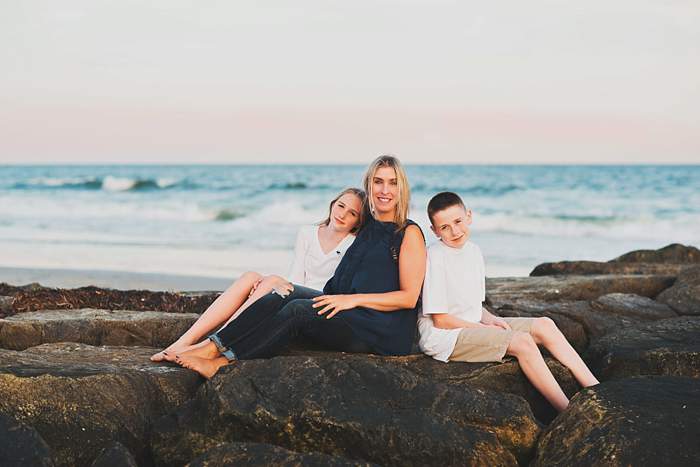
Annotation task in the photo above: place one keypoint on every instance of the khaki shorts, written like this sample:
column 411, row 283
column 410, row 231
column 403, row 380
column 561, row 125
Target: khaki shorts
column 487, row 344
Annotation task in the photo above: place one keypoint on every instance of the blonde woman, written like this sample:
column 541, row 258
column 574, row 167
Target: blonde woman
column 318, row 251
column 369, row 305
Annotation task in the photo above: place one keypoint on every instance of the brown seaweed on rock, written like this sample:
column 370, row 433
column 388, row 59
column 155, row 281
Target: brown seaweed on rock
column 35, row 297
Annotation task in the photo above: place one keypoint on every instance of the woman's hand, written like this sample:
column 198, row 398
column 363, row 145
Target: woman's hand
column 334, row 303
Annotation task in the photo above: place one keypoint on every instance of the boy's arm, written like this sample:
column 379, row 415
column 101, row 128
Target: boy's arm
column 491, row 319
column 448, row 321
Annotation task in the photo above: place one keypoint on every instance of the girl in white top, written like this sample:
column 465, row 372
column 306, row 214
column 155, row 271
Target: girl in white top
column 318, row 251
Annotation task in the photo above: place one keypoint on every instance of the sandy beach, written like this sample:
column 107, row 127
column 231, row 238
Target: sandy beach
column 72, row 278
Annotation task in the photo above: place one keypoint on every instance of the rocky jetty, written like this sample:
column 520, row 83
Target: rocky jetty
column 77, row 387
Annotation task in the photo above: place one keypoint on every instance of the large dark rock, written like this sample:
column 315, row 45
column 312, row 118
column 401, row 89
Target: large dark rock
column 116, row 455
column 684, row 296
column 356, row 406
column 665, row 347
column 635, row 421
column 264, row 455
column 82, row 399
column 21, row 445
column 587, row 268
column 667, row 261
column 508, row 291
column 675, row 253
column 582, row 321
column 35, row 297
column 93, row 327
column 506, row 377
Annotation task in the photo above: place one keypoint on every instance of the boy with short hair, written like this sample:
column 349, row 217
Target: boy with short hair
column 454, row 325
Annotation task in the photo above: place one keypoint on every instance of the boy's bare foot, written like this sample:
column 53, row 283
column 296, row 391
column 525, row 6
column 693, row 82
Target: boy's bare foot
column 204, row 366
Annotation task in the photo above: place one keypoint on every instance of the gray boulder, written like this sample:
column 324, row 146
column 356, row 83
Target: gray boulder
column 502, row 292
column 665, row 347
column 589, row 268
column 633, row 306
column 684, row 296
column 93, row 327
column 635, row 421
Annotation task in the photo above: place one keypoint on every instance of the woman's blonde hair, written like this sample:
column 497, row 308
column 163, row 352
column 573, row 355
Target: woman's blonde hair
column 360, row 215
column 404, row 201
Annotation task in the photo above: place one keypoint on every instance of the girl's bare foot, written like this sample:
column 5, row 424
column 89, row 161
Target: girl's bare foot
column 205, row 349
column 171, row 350
column 204, row 366
column 171, row 355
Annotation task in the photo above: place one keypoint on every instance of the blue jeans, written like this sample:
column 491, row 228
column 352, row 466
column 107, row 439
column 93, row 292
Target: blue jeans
column 270, row 324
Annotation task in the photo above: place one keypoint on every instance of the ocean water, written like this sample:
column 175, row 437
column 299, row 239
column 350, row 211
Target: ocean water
column 222, row 220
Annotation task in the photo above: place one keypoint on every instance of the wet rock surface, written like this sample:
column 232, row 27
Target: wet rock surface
column 80, row 398
column 116, row 455
column 21, row 445
column 665, row 347
column 504, row 292
column 684, row 295
column 78, row 388
column 635, row 421
column 264, row 455
column 93, row 327
column 353, row 406
column 499, row 377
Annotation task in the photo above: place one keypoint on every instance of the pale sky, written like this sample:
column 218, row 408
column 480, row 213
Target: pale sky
column 172, row 81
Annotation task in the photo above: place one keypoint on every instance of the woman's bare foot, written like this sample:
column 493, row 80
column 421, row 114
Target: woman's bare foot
column 206, row 367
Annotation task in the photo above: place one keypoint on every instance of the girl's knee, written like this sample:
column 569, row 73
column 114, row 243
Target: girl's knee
column 250, row 276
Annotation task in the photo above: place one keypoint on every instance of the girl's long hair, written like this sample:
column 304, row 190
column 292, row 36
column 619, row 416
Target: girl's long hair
column 404, row 201
column 361, row 215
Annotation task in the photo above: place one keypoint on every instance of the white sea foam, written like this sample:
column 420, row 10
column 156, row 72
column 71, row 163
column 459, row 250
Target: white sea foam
column 111, row 183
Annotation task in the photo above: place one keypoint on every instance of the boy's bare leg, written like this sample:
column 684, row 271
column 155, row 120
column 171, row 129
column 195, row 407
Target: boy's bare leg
column 523, row 347
column 545, row 332
column 218, row 312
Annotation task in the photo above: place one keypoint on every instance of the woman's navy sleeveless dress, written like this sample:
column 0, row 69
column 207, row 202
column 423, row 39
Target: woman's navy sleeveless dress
column 371, row 265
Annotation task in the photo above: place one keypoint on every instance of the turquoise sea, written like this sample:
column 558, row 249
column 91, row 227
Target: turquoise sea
column 222, row 220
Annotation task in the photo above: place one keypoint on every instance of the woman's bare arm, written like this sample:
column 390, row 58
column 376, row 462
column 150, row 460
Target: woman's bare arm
column 412, row 260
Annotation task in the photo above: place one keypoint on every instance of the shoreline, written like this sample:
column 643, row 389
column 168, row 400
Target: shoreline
column 123, row 280
column 65, row 278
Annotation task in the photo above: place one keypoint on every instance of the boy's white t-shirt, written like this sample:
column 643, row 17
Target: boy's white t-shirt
column 312, row 267
column 455, row 283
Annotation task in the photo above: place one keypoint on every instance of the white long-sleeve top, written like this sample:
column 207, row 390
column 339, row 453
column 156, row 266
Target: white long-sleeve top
column 312, row 267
